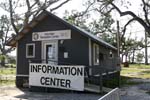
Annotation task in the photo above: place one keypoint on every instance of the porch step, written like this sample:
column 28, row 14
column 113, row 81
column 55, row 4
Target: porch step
column 95, row 88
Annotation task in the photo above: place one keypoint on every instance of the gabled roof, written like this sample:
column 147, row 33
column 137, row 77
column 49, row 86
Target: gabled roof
column 41, row 16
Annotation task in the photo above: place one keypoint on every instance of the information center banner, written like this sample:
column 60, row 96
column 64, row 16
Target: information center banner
column 57, row 76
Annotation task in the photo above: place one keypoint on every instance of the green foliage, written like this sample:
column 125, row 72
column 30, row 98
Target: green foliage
column 76, row 18
column 7, row 71
column 111, row 83
column 101, row 27
column 2, row 57
column 11, row 60
column 139, row 57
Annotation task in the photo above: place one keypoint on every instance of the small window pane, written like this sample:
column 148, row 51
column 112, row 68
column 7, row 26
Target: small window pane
column 30, row 50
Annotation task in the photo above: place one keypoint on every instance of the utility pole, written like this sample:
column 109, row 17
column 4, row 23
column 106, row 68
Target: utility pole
column 118, row 47
column 146, row 52
column 118, row 39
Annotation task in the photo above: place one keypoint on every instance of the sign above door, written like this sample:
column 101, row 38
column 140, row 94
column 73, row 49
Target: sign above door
column 51, row 35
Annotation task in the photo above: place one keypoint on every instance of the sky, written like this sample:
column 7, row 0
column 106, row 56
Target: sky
column 136, row 29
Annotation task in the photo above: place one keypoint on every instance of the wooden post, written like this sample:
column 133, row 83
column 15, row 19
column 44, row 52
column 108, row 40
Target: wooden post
column 119, row 78
column 101, row 82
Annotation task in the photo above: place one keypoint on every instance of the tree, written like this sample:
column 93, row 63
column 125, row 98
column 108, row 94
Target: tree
column 129, row 47
column 110, row 5
column 30, row 9
column 17, row 20
column 77, row 18
column 139, row 57
column 102, row 26
column 144, row 21
column 5, row 33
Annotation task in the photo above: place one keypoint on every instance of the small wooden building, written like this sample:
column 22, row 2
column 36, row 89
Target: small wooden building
column 50, row 39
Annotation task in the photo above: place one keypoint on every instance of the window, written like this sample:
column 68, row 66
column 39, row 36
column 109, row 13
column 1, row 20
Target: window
column 110, row 54
column 30, row 50
column 96, row 54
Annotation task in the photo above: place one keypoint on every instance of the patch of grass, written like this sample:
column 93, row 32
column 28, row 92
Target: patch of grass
column 126, row 81
column 129, row 70
column 7, row 71
column 8, row 82
column 137, row 71
column 139, row 66
column 148, row 92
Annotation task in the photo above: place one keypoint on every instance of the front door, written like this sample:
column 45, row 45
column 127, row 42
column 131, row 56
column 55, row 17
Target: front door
column 50, row 52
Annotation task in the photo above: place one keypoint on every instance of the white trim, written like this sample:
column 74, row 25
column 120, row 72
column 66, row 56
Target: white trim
column 30, row 44
column 90, row 57
column 94, row 47
column 111, row 53
column 90, row 51
column 112, row 95
column 44, row 43
column 106, row 73
column 22, row 75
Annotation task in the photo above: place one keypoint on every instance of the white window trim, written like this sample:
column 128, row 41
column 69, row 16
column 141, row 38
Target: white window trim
column 90, row 53
column 29, row 44
column 43, row 51
column 94, row 47
column 112, row 55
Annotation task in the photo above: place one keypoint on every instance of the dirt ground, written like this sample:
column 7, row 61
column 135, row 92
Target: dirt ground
column 13, row 93
column 134, row 92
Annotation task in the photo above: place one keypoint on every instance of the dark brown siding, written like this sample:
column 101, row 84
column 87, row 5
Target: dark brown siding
column 77, row 46
column 22, row 61
column 107, row 63
column 77, row 49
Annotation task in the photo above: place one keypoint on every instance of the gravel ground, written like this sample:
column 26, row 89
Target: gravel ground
column 12, row 93
column 136, row 92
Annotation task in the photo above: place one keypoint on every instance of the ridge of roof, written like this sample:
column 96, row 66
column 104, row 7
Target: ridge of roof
column 82, row 31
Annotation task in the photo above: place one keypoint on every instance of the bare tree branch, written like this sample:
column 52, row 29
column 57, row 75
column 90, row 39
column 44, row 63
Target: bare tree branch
column 140, row 20
column 59, row 5
column 145, row 12
column 124, row 30
column 11, row 17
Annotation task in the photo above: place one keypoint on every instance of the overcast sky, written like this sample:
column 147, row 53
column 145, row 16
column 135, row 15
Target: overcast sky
column 136, row 29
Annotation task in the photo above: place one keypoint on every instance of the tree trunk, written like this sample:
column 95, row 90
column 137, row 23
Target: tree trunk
column 133, row 56
column 3, row 62
column 146, row 52
column 129, row 57
column 126, row 57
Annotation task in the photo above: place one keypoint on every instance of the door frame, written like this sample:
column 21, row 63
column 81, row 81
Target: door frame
column 43, row 51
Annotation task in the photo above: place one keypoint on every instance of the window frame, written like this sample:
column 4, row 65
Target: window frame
column 111, row 55
column 27, row 50
column 95, row 51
